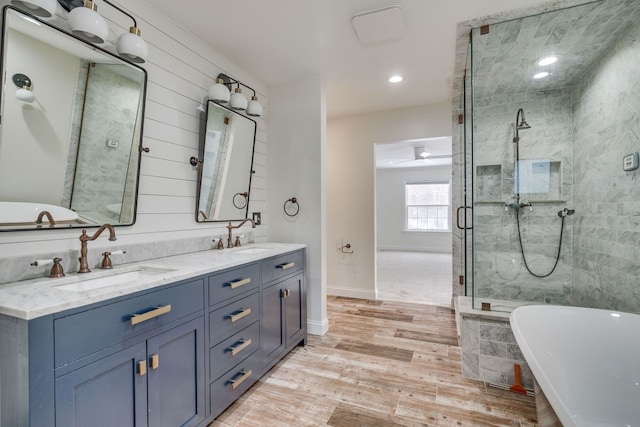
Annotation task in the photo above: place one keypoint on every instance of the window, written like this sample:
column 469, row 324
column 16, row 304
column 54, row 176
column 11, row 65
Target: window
column 427, row 206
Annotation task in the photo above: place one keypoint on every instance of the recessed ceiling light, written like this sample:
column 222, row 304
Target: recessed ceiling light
column 547, row 61
column 395, row 79
column 541, row 75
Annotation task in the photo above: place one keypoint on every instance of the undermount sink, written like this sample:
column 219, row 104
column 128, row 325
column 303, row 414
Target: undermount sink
column 137, row 275
column 251, row 251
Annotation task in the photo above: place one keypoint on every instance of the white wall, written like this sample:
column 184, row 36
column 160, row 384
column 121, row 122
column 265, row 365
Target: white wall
column 180, row 70
column 296, row 169
column 390, row 211
column 350, row 187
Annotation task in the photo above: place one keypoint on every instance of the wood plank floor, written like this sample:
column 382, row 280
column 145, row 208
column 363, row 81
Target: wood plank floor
column 380, row 364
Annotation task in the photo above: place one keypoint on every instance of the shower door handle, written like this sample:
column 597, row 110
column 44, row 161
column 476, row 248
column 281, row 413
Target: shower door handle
column 462, row 227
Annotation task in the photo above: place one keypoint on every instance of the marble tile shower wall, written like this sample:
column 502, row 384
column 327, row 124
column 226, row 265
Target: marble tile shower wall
column 499, row 268
column 607, row 199
column 490, row 351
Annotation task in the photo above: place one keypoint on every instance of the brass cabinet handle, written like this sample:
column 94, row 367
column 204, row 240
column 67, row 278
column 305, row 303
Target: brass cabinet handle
column 286, row 266
column 237, row 283
column 155, row 361
column 139, row 318
column 238, row 348
column 142, row 368
column 245, row 375
column 284, row 293
column 238, row 316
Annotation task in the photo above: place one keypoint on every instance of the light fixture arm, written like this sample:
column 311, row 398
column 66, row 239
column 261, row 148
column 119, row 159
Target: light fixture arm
column 135, row 24
column 230, row 81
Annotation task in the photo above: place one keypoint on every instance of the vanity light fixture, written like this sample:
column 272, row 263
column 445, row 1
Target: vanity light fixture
column 40, row 8
column 254, row 108
column 238, row 101
column 220, row 93
column 547, row 61
column 541, row 75
column 23, row 83
column 86, row 23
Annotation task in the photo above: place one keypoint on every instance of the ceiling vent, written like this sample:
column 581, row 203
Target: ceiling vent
column 379, row 25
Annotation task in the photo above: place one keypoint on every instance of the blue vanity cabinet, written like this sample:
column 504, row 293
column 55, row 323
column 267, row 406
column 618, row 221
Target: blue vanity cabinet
column 111, row 391
column 234, row 334
column 135, row 360
column 156, row 380
column 251, row 329
column 284, row 306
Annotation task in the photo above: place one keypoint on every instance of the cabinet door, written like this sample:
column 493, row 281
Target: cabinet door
column 176, row 376
column 271, row 338
column 106, row 393
column 294, row 315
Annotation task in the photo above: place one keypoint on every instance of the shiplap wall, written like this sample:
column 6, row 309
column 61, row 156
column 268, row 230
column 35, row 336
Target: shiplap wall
column 180, row 70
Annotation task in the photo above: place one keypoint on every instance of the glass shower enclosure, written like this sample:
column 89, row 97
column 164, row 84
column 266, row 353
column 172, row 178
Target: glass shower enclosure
column 555, row 136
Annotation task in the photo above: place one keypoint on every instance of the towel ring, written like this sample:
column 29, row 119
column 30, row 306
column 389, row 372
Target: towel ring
column 291, row 207
column 245, row 195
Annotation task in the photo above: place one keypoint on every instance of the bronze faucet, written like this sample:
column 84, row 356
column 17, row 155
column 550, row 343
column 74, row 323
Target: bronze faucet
column 49, row 217
column 231, row 227
column 84, row 238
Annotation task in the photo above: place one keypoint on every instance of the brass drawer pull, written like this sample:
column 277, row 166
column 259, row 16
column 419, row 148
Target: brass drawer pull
column 286, row 266
column 155, row 361
column 238, row 316
column 245, row 375
column 238, row 348
column 142, row 368
column 159, row 311
column 237, row 283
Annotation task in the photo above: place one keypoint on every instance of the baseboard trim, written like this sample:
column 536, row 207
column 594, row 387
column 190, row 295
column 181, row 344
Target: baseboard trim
column 437, row 250
column 351, row 293
column 318, row 328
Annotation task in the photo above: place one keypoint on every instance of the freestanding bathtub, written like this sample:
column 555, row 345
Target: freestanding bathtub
column 586, row 361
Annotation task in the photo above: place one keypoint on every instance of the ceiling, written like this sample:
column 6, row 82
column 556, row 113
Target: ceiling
column 281, row 41
column 405, row 154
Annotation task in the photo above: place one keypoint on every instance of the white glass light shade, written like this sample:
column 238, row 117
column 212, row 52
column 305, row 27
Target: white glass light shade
column 42, row 8
column 86, row 23
column 132, row 47
column 25, row 95
column 219, row 92
column 254, row 108
column 238, row 101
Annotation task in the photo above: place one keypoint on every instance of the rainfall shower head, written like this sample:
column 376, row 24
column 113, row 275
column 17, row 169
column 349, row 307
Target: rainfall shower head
column 523, row 123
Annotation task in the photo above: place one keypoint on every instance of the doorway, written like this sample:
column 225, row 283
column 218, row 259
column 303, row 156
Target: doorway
column 413, row 221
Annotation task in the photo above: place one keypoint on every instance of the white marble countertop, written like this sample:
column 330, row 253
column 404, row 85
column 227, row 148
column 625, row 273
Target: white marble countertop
column 29, row 299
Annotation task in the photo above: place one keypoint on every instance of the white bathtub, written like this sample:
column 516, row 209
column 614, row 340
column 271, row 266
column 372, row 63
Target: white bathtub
column 25, row 213
column 586, row 361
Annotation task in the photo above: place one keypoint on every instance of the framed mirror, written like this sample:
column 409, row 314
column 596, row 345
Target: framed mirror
column 70, row 131
column 226, row 165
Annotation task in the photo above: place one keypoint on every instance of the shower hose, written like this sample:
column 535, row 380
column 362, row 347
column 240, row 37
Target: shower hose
column 562, row 215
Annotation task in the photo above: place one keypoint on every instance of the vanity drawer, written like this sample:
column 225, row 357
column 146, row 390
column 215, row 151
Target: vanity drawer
column 282, row 265
column 235, row 282
column 233, row 350
column 87, row 332
column 226, row 321
column 233, row 383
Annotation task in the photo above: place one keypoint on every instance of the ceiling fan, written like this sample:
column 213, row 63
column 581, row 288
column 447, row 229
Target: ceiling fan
column 419, row 153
